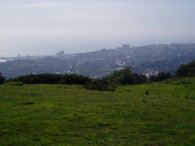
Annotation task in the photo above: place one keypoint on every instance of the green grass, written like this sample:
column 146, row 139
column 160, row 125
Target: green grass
column 64, row 115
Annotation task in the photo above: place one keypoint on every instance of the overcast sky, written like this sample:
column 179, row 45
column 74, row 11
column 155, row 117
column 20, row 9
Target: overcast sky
column 37, row 27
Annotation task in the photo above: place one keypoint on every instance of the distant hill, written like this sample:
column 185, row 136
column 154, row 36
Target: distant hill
column 149, row 59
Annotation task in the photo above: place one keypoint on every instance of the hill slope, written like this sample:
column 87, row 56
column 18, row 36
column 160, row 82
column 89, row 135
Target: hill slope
column 158, row 114
column 144, row 59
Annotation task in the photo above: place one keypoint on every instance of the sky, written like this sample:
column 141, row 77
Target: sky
column 44, row 27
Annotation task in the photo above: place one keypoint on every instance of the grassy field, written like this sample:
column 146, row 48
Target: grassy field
column 65, row 115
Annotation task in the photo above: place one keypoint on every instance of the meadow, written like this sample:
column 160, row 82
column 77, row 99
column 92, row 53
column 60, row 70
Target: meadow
column 155, row 114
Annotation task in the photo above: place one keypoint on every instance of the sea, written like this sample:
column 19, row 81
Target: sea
column 1, row 60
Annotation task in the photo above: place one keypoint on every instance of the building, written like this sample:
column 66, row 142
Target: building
column 126, row 46
column 60, row 54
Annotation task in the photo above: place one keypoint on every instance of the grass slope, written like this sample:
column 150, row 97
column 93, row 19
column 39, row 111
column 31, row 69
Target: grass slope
column 70, row 115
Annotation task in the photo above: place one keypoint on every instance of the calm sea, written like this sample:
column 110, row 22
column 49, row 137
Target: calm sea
column 1, row 60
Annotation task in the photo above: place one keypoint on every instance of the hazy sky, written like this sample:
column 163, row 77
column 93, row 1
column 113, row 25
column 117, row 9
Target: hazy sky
column 37, row 27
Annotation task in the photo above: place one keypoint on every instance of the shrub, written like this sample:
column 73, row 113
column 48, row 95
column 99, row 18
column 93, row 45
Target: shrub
column 147, row 92
column 186, row 69
column 160, row 77
column 51, row 79
column 101, row 85
column 122, row 77
column 2, row 79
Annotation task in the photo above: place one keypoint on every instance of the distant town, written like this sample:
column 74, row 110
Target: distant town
column 148, row 59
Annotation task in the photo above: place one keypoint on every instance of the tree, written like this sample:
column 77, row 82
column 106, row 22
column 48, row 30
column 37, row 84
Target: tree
column 2, row 79
column 186, row 69
column 140, row 78
column 122, row 77
column 52, row 79
column 101, row 85
column 160, row 77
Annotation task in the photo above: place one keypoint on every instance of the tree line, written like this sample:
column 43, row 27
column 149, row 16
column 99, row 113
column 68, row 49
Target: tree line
column 108, row 83
column 51, row 79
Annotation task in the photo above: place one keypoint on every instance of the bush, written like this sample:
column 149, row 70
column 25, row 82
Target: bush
column 147, row 92
column 160, row 77
column 51, row 79
column 186, row 69
column 2, row 79
column 122, row 77
column 101, row 85
column 140, row 78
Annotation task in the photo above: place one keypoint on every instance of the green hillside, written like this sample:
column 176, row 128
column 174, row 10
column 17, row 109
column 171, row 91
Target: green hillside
column 157, row 114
